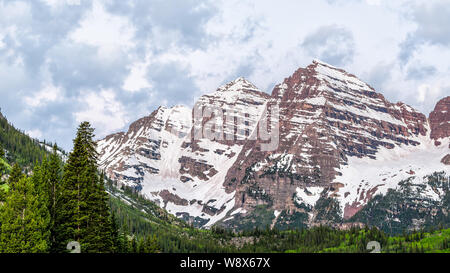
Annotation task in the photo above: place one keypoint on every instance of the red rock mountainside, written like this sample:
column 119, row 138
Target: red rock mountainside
column 440, row 124
column 440, row 119
column 339, row 144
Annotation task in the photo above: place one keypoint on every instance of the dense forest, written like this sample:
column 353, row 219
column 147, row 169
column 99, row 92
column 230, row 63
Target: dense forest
column 19, row 147
column 143, row 218
column 60, row 201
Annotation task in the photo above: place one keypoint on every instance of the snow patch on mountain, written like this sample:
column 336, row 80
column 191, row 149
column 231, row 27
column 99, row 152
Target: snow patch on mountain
column 308, row 195
column 339, row 78
column 364, row 178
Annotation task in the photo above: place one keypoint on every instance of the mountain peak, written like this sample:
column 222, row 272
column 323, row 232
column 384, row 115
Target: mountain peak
column 338, row 77
column 319, row 62
column 239, row 84
column 240, row 79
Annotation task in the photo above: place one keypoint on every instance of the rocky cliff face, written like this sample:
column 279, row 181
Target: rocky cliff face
column 179, row 157
column 440, row 120
column 148, row 148
column 338, row 143
column 326, row 116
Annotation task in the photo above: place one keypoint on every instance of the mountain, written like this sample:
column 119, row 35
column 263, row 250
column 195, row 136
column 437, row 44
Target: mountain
column 138, row 219
column 316, row 151
column 186, row 173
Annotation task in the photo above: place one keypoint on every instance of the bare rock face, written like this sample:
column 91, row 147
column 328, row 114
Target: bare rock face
column 326, row 116
column 446, row 159
column 440, row 120
column 222, row 124
column 338, row 143
column 145, row 148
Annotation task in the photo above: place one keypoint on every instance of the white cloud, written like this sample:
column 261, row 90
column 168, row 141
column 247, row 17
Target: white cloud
column 120, row 46
column 427, row 92
column 54, row 4
column 48, row 94
column 111, row 34
column 2, row 44
column 13, row 11
column 36, row 133
column 103, row 110
column 137, row 79
column 265, row 39
column 373, row 2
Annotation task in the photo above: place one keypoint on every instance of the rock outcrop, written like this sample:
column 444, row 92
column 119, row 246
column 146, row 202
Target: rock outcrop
column 440, row 120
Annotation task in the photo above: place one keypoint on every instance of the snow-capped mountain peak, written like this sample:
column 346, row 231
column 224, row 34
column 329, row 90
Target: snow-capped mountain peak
column 239, row 84
column 206, row 164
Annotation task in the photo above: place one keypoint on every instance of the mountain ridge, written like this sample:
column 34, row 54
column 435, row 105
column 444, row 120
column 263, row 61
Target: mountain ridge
column 328, row 118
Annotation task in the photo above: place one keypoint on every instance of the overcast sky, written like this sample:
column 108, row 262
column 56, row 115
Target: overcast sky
column 112, row 62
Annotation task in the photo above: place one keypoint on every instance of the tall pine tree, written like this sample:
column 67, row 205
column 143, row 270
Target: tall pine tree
column 15, row 175
column 53, row 181
column 48, row 178
column 81, row 212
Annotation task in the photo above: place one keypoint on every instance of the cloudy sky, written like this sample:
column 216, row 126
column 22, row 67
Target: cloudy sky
column 111, row 62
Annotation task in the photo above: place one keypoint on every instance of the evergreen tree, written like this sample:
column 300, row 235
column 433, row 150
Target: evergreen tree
column 24, row 220
column 81, row 212
column 2, row 151
column 150, row 245
column 15, row 175
column 4, row 168
column 100, row 229
column 39, row 176
column 133, row 248
column 46, row 178
column 118, row 237
column 51, row 183
column 2, row 197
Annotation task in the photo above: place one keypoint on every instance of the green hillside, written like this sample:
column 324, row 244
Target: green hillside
column 20, row 148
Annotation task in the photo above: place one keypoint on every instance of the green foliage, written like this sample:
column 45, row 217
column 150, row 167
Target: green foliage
column 140, row 220
column 294, row 220
column 325, row 239
column 4, row 167
column 15, row 176
column 406, row 208
column 328, row 210
column 47, row 177
column 3, row 191
column 19, row 147
column 52, row 170
column 24, row 221
column 82, row 213
column 2, row 151
column 260, row 218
